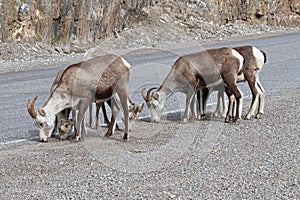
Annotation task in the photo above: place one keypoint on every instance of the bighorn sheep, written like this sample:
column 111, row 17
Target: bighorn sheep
column 194, row 72
column 95, row 80
column 254, row 60
column 134, row 110
column 64, row 124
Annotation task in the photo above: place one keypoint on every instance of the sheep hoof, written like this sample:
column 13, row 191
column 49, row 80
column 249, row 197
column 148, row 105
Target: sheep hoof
column 125, row 136
column 75, row 138
column 201, row 117
column 223, row 115
column 227, row 119
column 258, row 115
column 247, row 117
column 108, row 134
column 184, row 120
column 216, row 115
column 235, row 119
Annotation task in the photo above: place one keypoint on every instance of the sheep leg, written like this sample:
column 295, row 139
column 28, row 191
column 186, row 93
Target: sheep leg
column 98, row 106
column 218, row 108
column 106, row 120
column 224, row 103
column 90, row 115
column 261, row 102
column 221, row 104
column 79, row 126
column 55, row 127
column 199, row 104
column 205, row 94
column 83, row 130
column 123, row 95
column 232, row 86
column 115, row 111
column 202, row 101
column 189, row 96
column 255, row 95
column 230, row 95
column 193, row 106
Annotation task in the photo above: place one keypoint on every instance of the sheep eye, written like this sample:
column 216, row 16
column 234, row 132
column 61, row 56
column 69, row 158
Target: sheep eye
column 154, row 105
column 66, row 126
column 41, row 124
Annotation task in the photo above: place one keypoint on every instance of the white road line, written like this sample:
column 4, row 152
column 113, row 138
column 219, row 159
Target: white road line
column 13, row 142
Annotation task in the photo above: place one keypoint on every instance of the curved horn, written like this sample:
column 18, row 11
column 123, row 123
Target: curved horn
column 149, row 92
column 30, row 108
column 143, row 95
column 148, row 96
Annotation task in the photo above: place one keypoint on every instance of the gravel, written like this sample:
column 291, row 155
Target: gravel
column 256, row 159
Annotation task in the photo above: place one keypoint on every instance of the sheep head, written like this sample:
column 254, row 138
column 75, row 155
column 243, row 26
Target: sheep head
column 43, row 121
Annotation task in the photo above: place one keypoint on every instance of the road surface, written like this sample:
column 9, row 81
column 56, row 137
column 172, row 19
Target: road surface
column 281, row 71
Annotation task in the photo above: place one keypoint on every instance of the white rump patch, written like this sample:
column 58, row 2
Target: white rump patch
column 259, row 57
column 239, row 57
column 126, row 63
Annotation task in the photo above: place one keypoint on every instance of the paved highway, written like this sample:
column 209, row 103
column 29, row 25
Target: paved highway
column 281, row 71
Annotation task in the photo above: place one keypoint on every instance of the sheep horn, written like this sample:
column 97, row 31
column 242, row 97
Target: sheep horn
column 143, row 95
column 30, row 108
column 148, row 97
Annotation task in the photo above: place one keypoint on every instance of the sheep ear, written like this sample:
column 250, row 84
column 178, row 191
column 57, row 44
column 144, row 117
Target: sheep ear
column 42, row 112
column 156, row 96
column 131, row 106
column 140, row 107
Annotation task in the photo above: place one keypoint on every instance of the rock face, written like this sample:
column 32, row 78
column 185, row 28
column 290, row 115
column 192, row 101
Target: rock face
column 66, row 22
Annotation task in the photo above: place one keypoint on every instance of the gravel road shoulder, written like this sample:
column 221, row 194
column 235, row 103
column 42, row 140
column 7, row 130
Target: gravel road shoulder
column 256, row 159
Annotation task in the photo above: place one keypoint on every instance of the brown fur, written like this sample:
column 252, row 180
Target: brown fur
column 251, row 67
column 196, row 71
column 83, row 83
column 250, row 70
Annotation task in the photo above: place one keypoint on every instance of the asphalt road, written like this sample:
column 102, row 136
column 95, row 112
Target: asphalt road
column 255, row 159
column 149, row 69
